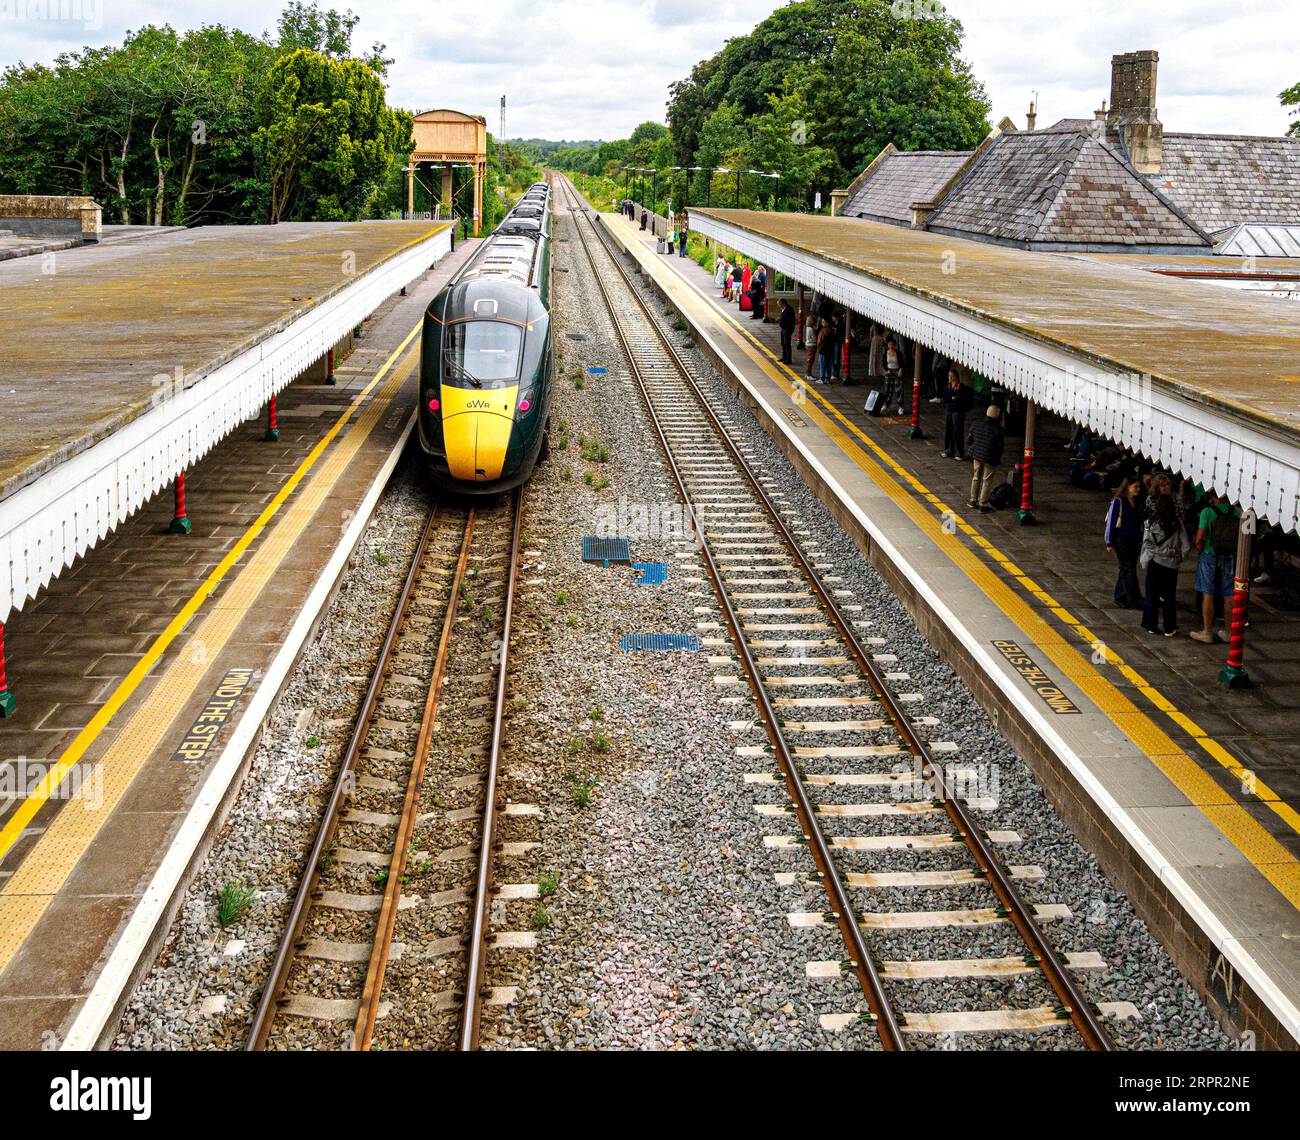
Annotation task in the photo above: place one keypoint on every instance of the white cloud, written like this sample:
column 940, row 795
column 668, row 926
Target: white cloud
column 583, row 69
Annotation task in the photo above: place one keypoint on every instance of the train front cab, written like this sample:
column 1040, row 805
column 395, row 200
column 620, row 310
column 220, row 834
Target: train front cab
column 482, row 421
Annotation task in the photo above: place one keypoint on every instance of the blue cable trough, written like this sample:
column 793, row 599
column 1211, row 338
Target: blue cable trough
column 651, row 573
column 606, row 550
column 660, row 642
column 598, row 371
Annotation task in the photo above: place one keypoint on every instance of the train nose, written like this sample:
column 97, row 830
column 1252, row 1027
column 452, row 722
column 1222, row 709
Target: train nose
column 476, row 429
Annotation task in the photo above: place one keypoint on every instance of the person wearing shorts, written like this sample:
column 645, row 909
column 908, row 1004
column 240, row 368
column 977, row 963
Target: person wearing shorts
column 1216, row 540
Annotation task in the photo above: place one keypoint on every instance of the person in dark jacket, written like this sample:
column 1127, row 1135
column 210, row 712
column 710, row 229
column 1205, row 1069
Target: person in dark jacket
column 1124, row 540
column 954, row 432
column 645, row 219
column 787, row 321
column 984, row 445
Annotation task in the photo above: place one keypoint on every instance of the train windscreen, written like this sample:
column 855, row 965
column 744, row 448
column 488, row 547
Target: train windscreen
column 482, row 354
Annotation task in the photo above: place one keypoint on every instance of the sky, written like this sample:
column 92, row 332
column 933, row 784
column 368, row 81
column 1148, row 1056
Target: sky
column 574, row 69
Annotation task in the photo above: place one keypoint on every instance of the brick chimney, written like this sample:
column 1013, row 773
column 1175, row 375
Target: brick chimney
column 1132, row 112
column 1032, row 117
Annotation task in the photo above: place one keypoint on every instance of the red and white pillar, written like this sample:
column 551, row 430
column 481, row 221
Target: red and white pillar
column 180, row 520
column 272, row 422
column 1234, row 674
column 848, row 328
column 329, row 367
column 1027, row 471
column 8, row 705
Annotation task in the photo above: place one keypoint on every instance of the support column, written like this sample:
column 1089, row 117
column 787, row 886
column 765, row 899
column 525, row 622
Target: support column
column 848, row 328
column 410, row 191
column 478, row 199
column 1027, row 471
column 8, row 705
column 917, row 353
column 272, row 423
column 800, row 326
column 1233, row 674
column 180, row 520
column 446, row 188
column 329, row 367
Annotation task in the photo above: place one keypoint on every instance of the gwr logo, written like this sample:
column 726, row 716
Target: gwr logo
column 476, row 405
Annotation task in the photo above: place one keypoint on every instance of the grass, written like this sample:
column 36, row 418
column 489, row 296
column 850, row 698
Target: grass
column 600, row 741
column 381, row 877
column 593, row 450
column 313, row 742
column 596, row 482
column 381, row 558
column 547, row 884
column 578, row 383
column 543, row 917
column 562, row 598
column 597, row 713
column 583, row 786
column 233, row 903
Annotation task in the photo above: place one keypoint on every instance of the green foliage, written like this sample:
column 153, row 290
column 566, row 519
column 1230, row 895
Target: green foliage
column 204, row 126
column 233, row 903
column 1291, row 98
column 329, row 137
column 818, row 89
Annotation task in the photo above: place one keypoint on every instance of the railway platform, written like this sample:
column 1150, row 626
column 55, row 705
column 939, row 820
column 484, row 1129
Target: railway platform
column 147, row 668
column 1186, row 791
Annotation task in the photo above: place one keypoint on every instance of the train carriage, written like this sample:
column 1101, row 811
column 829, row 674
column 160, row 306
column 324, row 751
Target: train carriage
column 487, row 361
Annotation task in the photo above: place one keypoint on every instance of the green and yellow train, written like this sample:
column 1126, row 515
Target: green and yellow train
column 487, row 361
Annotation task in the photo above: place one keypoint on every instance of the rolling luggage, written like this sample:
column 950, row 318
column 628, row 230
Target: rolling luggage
column 875, row 402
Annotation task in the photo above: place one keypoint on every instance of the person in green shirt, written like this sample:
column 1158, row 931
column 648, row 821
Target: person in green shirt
column 1217, row 530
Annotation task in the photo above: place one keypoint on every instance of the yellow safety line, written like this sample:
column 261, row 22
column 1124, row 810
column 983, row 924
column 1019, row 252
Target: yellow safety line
column 1273, row 861
column 24, row 813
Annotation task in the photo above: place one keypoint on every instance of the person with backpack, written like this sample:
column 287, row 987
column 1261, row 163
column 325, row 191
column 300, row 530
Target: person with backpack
column 984, row 445
column 1124, row 540
column 811, row 331
column 1164, row 546
column 1217, row 531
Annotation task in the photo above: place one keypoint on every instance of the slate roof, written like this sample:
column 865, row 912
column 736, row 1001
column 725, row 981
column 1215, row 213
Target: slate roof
column 1259, row 241
column 901, row 178
column 1060, row 187
column 1224, row 180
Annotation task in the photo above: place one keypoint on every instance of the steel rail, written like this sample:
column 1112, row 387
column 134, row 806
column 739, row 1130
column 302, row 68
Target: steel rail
column 472, row 1010
column 886, row 1021
column 1072, row 999
column 372, row 987
column 343, row 787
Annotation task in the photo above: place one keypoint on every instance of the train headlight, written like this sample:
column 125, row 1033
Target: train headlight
column 525, row 403
column 434, row 404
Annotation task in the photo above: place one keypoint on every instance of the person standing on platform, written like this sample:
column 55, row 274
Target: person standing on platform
column 823, row 351
column 1164, row 546
column 954, row 428
column 875, row 354
column 758, row 295
column 893, row 372
column 811, row 331
column 682, row 234
column 1217, row 531
column 645, row 219
column 984, row 445
column 834, row 347
column 721, row 272
column 787, row 320
column 1124, row 540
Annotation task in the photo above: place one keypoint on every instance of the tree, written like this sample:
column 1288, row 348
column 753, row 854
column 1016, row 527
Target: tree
column 1291, row 98
column 328, row 137
column 865, row 73
column 329, row 33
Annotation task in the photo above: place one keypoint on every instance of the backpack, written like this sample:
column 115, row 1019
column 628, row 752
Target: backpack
column 1224, row 531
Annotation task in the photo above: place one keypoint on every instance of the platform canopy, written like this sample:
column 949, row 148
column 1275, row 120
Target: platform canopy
column 132, row 359
column 1203, row 380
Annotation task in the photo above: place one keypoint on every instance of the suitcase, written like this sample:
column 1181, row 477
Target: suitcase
column 875, row 402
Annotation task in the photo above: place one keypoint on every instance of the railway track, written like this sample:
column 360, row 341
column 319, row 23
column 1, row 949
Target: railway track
column 863, row 783
column 386, row 939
